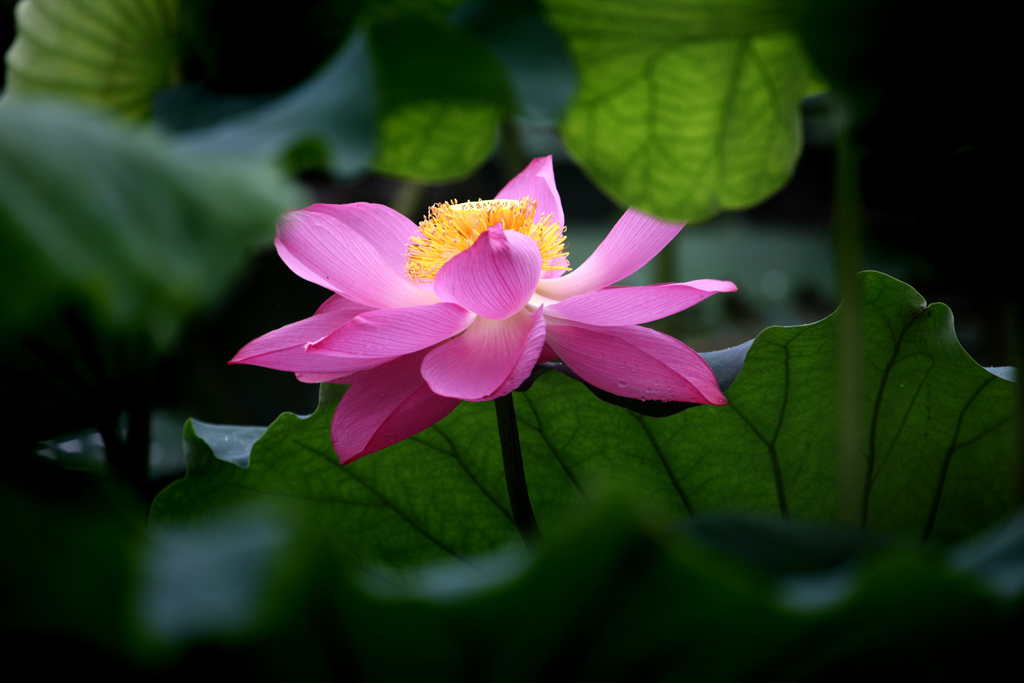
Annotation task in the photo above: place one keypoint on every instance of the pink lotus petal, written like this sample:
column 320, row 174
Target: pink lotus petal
column 635, row 240
column 613, row 306
column 635, row 362
column 339, row 306
column 488, row 359
column 395, row 331
column 324, row 251
column 285, row 348
column 412, row 351
column 385, row 406
column 528, row 359
column 350, row 377
column 537, row 181
column 495, row 277
column 333, row 377
column 547, row 354
column 382, row 227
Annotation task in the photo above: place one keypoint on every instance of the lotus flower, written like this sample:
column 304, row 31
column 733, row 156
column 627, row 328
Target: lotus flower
column 464, row 305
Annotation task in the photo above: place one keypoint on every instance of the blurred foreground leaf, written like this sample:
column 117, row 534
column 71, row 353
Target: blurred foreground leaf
column 610, row 595
column 939, row 449
column 110, row 238
column 70, row 557
column 685, row 108
column 329, row 116
column 113, row 54
column 118, row 219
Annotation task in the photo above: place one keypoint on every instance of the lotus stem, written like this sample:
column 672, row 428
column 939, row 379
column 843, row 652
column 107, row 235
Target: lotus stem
column 515, row 476
column 855, row 469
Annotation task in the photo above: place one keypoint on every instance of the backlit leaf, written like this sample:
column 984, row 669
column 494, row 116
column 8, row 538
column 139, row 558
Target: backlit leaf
column 442, row 95
column 685, row 108
column 114, row 54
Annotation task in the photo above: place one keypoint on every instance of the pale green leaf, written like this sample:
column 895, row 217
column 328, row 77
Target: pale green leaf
column 113, row 54
column 685, row 109
column 442, row 95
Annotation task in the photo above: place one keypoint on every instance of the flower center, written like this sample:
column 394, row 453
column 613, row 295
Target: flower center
column 450, row 228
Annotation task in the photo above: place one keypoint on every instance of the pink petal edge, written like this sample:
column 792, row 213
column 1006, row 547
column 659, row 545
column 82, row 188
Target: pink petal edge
column 382, row 227
column 617, row 306
column 636, row 362
column 319, row 248
column 385, row 406
column 285, row 348
column 533, row 349
column 537, row 181
column 635, row 240
column 394, row 331
column 488, row 359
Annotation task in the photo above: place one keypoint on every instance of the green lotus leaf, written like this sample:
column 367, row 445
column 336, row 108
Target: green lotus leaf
column 114, row 54
column 939, row 449
column 687, row 108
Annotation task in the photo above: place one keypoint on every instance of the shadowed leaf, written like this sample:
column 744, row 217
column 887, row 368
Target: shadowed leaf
column 939, row 449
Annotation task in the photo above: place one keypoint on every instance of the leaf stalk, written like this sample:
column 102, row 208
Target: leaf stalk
column 515, row 476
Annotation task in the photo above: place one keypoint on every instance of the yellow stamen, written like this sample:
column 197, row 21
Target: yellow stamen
column 450, row 228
